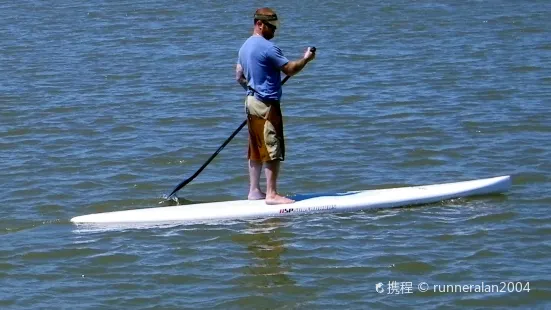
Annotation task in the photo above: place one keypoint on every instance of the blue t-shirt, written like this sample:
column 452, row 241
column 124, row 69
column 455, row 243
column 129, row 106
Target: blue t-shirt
column 262, row 61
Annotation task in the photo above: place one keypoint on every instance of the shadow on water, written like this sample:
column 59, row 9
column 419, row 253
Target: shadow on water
column 265, row 241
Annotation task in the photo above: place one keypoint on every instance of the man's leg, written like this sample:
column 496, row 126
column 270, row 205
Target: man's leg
column 255, row 167
column 272, row 172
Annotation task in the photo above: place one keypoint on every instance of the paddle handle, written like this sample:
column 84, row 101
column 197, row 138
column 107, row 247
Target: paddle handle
column 313, row 50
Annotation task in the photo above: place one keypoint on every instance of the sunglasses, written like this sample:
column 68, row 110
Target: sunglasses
column 272, row 27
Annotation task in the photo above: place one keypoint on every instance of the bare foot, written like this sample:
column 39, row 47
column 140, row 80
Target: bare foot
column 256, row 195
column 277, row 200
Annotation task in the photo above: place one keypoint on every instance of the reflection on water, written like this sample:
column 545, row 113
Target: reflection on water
column 264, row 240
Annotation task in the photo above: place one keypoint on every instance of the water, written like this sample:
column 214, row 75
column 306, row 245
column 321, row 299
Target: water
column 107, row 106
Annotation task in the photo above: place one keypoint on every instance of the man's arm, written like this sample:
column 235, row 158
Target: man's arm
column 240, row 77
column 295, row 66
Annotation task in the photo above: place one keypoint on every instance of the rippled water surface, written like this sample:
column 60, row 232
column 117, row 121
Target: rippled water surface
column 106, row 106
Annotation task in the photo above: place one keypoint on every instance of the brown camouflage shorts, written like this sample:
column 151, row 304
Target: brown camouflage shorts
column 265, row 123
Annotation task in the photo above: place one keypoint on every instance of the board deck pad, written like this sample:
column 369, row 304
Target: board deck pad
column 300, row 197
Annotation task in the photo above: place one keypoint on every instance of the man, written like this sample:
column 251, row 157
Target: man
column 258, row 70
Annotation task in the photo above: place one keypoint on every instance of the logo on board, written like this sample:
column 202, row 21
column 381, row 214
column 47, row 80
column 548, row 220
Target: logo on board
column 285, row 210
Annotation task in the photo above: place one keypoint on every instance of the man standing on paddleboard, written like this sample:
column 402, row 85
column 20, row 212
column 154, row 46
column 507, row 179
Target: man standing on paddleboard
column 258, row 70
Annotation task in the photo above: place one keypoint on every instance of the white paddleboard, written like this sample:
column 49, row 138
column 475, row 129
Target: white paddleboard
column 316, row 203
